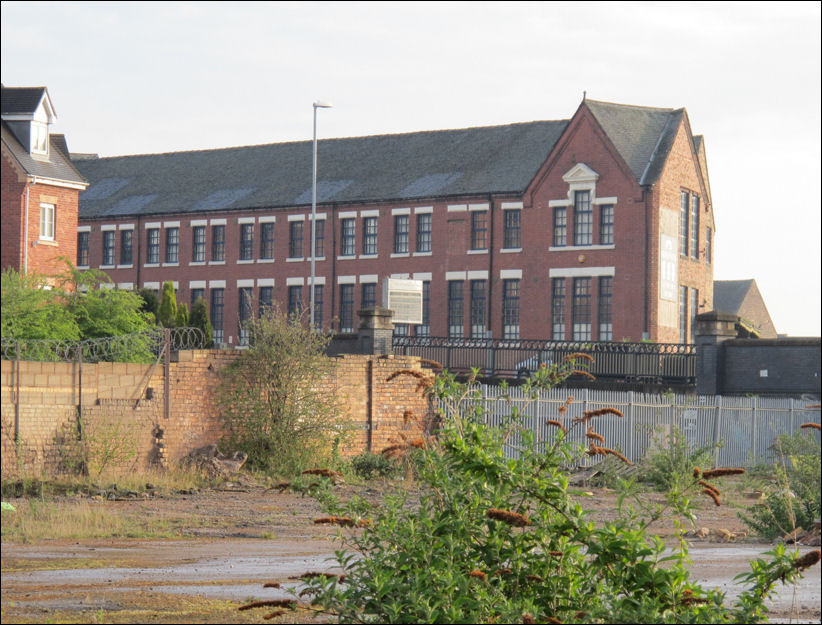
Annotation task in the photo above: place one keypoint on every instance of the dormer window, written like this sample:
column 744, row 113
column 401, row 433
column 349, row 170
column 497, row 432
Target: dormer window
column 39, row 138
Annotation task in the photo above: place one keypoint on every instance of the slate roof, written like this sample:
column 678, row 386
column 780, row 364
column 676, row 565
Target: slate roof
column 730, row 294
column 57, row 167
column 742, row 298
column 408, row 166
column 21, row 100
column 642, row 135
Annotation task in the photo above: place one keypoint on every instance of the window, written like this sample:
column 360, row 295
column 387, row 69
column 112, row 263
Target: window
column 477, row 309
column 583, row 218
column 424, row 233
column 424, row 328
column 319, row 239
column 318, row 305
column 39, row 138
column 295, row 239
column 683, row 314
column 560, row 226
column 218, row 243
column 267, row 240
column 511, row 234
column 196, row 294
column 479, row 230
column 606, row 224
column 246, row 241
column 198, row 244
column 693, row 242
column 153, row 246
column 217, row 301
column 244, row 313
column 510, row 309
column 346, row 308
column 683, row 223
column 82, row 249
column 172, row 245
column 348, row 237
column 266, row 299
column 606, row 289
column 47, row 221
column 708, row 245
column 369, row 241
column 400, row 234
column 581, row 309
column 455, row 309
column 295, row 298
column 401, row 329
column 369, row 295
column 126, row 247
column 108, row 247
column 694, row 302
column 558, row 309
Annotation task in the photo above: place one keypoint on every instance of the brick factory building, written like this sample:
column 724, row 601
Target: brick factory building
column 596, row 228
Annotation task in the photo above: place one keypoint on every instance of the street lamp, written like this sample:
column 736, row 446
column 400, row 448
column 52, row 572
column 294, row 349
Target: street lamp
column 317, row 105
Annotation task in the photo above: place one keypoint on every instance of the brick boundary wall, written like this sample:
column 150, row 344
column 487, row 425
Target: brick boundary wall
column 127, row 401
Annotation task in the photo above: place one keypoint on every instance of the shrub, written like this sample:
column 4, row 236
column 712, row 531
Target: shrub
column 670, row 460
column 200, row 319
column 167, row 313
column 499, row 539
column 368, row 466
column 792, row 500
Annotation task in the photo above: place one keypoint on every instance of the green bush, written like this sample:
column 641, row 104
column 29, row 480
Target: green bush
column 792, row 500
column 496, row 539
column 670, row 460
column 368, row 466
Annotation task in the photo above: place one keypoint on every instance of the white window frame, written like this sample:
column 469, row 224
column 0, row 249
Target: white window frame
column 44, row 224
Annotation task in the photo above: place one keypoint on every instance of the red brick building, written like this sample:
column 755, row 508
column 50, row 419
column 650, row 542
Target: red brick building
column 595, row 228
column 40, row 186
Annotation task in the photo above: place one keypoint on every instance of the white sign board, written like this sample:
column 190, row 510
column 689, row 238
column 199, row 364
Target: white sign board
column 404, row 297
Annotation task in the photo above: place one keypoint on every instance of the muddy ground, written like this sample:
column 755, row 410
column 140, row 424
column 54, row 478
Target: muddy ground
column 235, row 539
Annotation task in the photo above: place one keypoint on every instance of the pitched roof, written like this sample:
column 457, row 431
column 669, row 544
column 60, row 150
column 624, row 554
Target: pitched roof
column 21, row 100
column 642, row 135
column 742, row 298
column 470, row 161
column 58, row 166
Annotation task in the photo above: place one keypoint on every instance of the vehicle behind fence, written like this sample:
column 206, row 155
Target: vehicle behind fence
column 644, row 363
column 746, row 427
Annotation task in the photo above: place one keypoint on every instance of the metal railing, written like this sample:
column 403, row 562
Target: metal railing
column 652, row 363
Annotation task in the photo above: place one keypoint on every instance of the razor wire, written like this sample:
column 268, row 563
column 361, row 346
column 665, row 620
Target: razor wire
column 137, row 347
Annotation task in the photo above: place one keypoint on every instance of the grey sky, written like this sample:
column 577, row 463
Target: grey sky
column 132, row 78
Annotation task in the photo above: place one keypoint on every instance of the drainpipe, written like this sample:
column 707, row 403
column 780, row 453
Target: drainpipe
column 490, row 324
column 29, row 182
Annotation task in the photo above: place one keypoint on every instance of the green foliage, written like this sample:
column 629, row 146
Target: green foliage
column 792, row 500
column 167, row 314
column 273, row 399
column 150, row 304
column 200, row 319
column 30, row 311
column 499, row 539
column 106, row 442
column 670, row 460
column 182, row 316
column 368, row 466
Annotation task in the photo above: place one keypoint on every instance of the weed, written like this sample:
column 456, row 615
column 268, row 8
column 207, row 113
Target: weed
column 670, row 460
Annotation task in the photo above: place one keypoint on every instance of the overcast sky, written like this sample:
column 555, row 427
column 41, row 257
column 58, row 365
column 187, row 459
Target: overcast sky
column 130, row 78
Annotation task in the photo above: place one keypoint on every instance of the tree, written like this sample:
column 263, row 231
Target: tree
column 31, row 311
column 150, row 305
column 273, row 399
column 167, row 314
column 182, row 316
column 200, row 319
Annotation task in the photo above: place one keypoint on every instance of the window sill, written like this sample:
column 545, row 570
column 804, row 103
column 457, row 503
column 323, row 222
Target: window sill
column 346, row 258
column 401, row 255
column 171, row 264
column 423, row 253
column 247, row 261
column 151, row 265
column 580, row 248
column 125, row 266
column 295, row 260
column 510, row 250
column 49, row 242
column 216, row 262
column 106, row 267
column 83, row 267
column 197, row 263
column 477, row 252
column 318, row 259
column 265, row 260
column 368, row 256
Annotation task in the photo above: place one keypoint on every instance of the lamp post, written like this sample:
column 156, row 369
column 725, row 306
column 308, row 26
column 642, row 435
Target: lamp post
column 317, row 105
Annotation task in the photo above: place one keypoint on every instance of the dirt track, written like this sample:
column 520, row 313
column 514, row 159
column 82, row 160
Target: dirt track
column 236, row 541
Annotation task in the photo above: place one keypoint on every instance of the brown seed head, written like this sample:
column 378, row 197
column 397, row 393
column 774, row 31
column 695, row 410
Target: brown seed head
column 712, row 495
column 556, row 424
column 556, row 554
column 710, row 487
column 430, row 363
column 534, row 578
column 527, row 619
column 416, row 374
column 514, row 519
column 561, row 410
column 722, row 472
column 342, row 521
column 697, row 473
column 595, row 437
column 476, row 573
column 808, row 560
column 500, row 572
column 815, row 426
column 273, row 614
column 579, row 356
column 271, row 585
column 584, row 374
column 274, row 603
